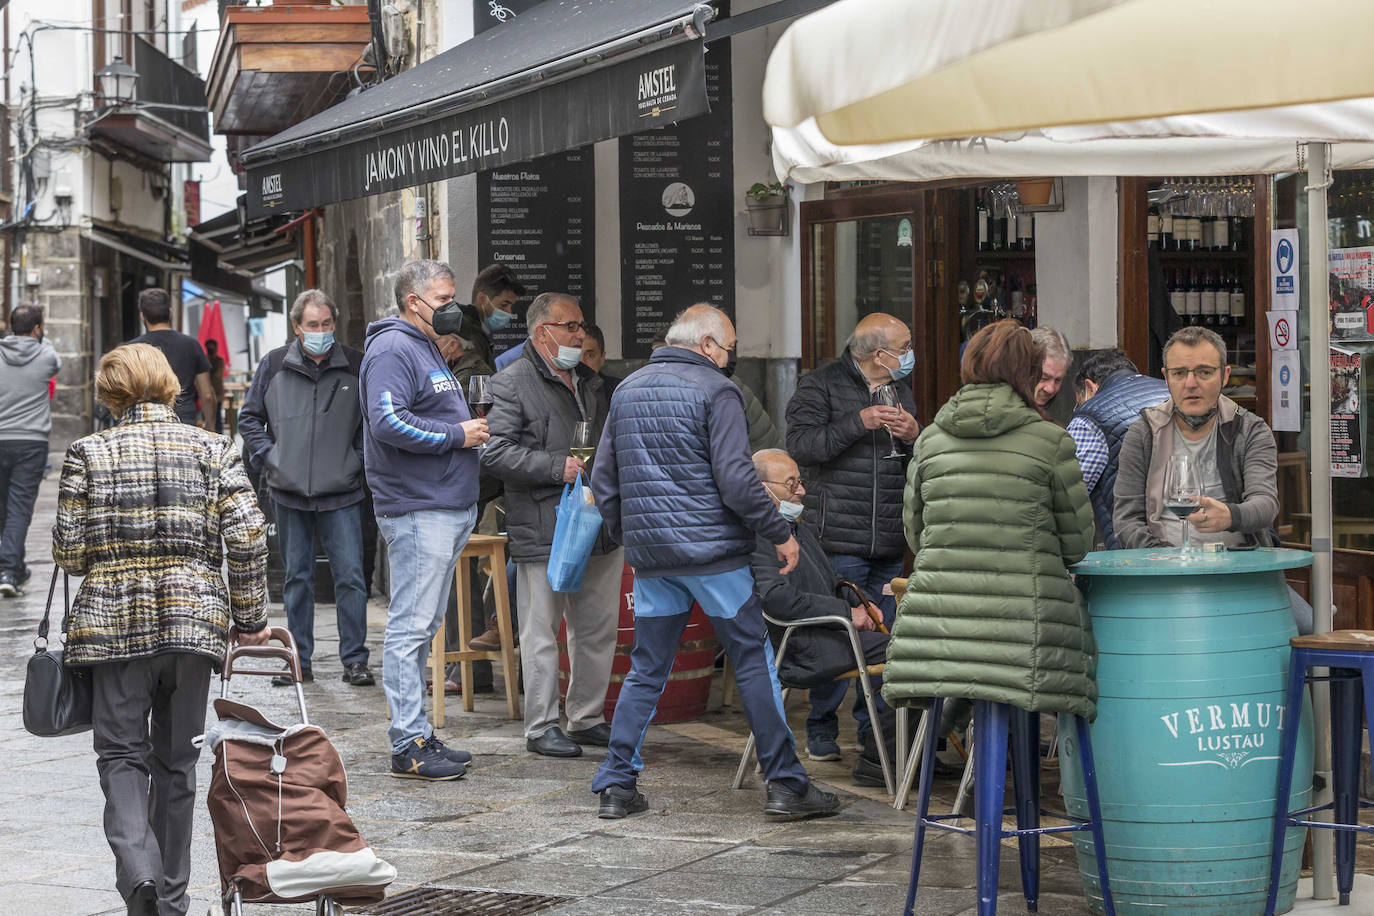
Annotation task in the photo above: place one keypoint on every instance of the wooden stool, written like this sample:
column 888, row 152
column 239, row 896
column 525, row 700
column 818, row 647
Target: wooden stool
column 492, row 547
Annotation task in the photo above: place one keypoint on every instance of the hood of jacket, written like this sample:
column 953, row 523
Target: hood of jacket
column 983, row 411
column 393, row 324
column 19, row 349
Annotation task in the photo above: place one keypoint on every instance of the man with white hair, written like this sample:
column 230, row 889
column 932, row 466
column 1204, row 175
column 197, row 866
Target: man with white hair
column 677, row 486
column 1058, row 358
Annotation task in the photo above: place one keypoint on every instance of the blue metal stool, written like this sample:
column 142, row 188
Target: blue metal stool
column 1350, row 656
column 991, row 724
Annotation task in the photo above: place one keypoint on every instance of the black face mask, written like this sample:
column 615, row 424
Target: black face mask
column 1195, row 422
column 728, row 370
column 448, row 318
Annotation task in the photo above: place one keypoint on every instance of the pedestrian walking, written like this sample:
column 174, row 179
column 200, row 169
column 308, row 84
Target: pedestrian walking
column 1111, row 393
column 302, row 428
column 27, row 364
column 842, row 435
column 537, row 403
column 148, row 511
column 216, row 380
column 676, row 485
column 419, row 444
column 185, row 356
column 990, row 612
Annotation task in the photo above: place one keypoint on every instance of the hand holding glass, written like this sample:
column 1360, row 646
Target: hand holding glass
column 479, row 394
column 886, row 395
column 582, row 446
column 1182, row 494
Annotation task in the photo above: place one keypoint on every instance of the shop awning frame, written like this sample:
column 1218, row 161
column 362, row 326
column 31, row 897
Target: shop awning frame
column 126, row 248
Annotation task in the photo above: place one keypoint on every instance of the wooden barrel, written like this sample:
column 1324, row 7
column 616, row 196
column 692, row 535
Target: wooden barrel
column 689, row 683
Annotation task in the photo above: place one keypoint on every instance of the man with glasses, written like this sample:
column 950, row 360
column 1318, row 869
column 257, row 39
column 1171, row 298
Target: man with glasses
column 1232, row 448
column 815, row 655
column 838, row 431
column 537, row 402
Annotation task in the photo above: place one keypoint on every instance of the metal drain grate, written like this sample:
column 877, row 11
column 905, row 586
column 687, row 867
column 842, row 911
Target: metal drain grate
column 428, row 900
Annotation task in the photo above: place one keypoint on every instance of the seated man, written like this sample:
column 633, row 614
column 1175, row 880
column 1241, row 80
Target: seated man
column 810, row 591
column 1233, row 449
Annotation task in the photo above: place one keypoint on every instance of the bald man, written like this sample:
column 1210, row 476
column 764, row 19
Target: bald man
column 676, row 485
column 815, row 655
column 842, row 436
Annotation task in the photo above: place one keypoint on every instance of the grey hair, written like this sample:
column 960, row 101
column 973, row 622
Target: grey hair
column 763, row 454
column 867, row 343
column 542, row 307
column 308, row 298
column 1053, row 344
column 1194, row 334
column 415, row 276
column 691, row 331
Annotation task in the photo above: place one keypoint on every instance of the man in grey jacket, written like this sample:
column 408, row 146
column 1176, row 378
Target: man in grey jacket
column 27, row 361
column 302, row 428
column 536, row 402
column 1232, row 448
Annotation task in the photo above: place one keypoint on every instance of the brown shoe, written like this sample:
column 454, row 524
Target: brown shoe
column 449, row 686
column 490, row 641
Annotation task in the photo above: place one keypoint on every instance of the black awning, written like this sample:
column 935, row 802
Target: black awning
column 565, row 74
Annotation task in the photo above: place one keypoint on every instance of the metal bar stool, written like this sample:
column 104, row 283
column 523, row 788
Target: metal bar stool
column 993, row 723
column 493, row 547
column 1349, row 654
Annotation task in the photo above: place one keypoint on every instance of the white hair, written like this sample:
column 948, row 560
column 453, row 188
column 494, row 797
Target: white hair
column 689, row 331
column 1054, row 344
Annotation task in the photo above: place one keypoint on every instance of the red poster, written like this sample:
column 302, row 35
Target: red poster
column 191, row 197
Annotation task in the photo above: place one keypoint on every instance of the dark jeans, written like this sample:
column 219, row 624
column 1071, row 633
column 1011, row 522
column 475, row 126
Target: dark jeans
column 871, row 575
column 149, row 775
column 21, row 471
column 341, row 533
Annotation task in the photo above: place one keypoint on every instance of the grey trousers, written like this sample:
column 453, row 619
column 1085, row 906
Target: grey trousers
column 592, row 615
column 148, row 774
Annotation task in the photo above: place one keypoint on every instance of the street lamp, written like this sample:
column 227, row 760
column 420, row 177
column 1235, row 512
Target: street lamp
column 117, row 80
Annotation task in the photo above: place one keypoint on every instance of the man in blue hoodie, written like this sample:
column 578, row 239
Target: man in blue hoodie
column 419, row 449
column 677, row 486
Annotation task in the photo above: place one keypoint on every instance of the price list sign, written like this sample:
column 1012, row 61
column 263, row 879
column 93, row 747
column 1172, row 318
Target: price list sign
column 537, row 217
column 677, row 219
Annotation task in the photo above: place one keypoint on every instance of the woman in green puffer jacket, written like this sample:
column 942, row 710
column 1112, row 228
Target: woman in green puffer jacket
column 995, row 511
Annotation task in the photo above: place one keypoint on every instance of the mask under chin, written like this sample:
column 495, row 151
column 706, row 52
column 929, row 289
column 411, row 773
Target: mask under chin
column 1195, row 423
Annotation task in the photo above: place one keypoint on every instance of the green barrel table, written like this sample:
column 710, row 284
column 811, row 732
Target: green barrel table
column 1192, row 669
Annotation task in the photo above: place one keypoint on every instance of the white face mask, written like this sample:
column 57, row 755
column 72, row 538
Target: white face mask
column 790, row 511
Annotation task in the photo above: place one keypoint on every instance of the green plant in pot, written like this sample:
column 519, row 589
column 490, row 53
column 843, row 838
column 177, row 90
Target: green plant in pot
column 766, row 204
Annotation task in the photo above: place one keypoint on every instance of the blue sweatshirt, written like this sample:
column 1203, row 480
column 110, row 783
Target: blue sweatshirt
column 413, row 437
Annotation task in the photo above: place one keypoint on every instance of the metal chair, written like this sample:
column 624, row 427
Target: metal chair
column 861, row 672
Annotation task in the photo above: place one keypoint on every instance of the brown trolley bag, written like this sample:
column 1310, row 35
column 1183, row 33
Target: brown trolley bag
column 277, row 795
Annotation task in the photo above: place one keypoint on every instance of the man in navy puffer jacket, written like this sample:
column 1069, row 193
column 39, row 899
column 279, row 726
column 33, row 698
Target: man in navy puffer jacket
column 677, row 486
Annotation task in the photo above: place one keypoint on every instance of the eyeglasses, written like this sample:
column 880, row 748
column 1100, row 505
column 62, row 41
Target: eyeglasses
column 793, row 484
column 572, row 327
column 729, row 349
column 896, row 352
column 1201, row 373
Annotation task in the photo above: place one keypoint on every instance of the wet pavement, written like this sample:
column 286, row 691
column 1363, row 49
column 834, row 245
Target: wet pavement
column 518, row 823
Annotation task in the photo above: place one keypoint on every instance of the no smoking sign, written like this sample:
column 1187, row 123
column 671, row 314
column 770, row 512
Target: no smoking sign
column 1283, row 330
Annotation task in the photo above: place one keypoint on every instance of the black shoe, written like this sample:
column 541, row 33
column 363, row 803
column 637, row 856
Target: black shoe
column 449, row 753
column 143, row 901
column 597, row 735
column 784, row 803
column 420, row 760
column 616, row 802
column 553, row 743
column 359, row 675
column 285, row 680
column 869, row 773
column 9, row 587
column 28, row 574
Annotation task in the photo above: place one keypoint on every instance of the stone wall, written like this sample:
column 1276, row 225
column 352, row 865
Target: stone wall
column 62, row 294
column 360, row 250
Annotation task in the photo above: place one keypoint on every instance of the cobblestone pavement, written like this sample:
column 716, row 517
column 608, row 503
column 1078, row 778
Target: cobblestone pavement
column 518, row 822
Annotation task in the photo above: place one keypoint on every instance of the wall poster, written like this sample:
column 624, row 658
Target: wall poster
column 1347, row 413
column 677, row 214
column 1351, row 288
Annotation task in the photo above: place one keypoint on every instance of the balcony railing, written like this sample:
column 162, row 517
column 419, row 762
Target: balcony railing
column 163, row 80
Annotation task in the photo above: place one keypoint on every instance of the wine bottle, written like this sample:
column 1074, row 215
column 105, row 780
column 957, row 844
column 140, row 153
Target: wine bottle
column 1236, row 233
column 1193, row 298
column 1237, row 301
column 1166, row 232
column 1208, row 296
column 1152, row 230
column 984, row 227
column 1013, row 242
column 1178, row 295
column 1194, row 233
column 1221, row 234
column 1205, row 242
column 1025, row 231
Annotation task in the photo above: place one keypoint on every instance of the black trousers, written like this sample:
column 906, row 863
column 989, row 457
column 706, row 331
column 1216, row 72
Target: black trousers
column 21, row 471
column 145, row 713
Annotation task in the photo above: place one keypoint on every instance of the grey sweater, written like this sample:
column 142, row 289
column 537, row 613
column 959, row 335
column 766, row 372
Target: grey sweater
column 1247, row 459
column 26, row 364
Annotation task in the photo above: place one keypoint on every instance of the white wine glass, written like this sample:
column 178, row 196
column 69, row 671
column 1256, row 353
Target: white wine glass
column 886, row 395
column 582, row 446
column 1182, row 495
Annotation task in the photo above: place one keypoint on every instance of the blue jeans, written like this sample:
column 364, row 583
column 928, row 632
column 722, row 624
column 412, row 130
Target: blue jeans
column 871, row 575
column 422, row 551
column 741, row 631
column 341, row 533
column 21, row 471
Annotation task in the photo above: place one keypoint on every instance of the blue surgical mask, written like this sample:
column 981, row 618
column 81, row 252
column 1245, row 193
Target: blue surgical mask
column 905, row 363
column 317, row 343
column 498, row 319
column 790, row 511
column 567, row 357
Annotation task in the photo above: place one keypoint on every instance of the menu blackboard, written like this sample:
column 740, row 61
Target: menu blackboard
column 677, row 215
column 537, row 217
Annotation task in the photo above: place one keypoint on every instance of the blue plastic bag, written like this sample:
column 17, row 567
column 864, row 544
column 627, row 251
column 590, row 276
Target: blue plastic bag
column 574, row 536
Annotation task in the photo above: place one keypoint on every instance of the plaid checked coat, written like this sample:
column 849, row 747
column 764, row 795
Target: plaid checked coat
column 141, row 513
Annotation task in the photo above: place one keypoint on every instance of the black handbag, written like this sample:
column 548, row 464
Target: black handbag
column 57, row 699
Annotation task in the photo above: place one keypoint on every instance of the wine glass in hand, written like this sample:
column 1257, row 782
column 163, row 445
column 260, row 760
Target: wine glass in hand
column 886, row 395
column 1182, row 494
column 479, row 394
column 582, row 446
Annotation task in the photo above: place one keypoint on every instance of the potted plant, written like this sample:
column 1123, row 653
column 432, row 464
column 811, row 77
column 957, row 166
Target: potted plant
column 766, row 205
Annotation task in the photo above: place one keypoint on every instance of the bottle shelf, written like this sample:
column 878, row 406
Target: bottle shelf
column 1204, row 255
column 1004, row 254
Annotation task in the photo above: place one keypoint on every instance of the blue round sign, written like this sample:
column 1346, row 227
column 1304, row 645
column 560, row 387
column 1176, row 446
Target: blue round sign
column 1283, row 256
column 1284, row 375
